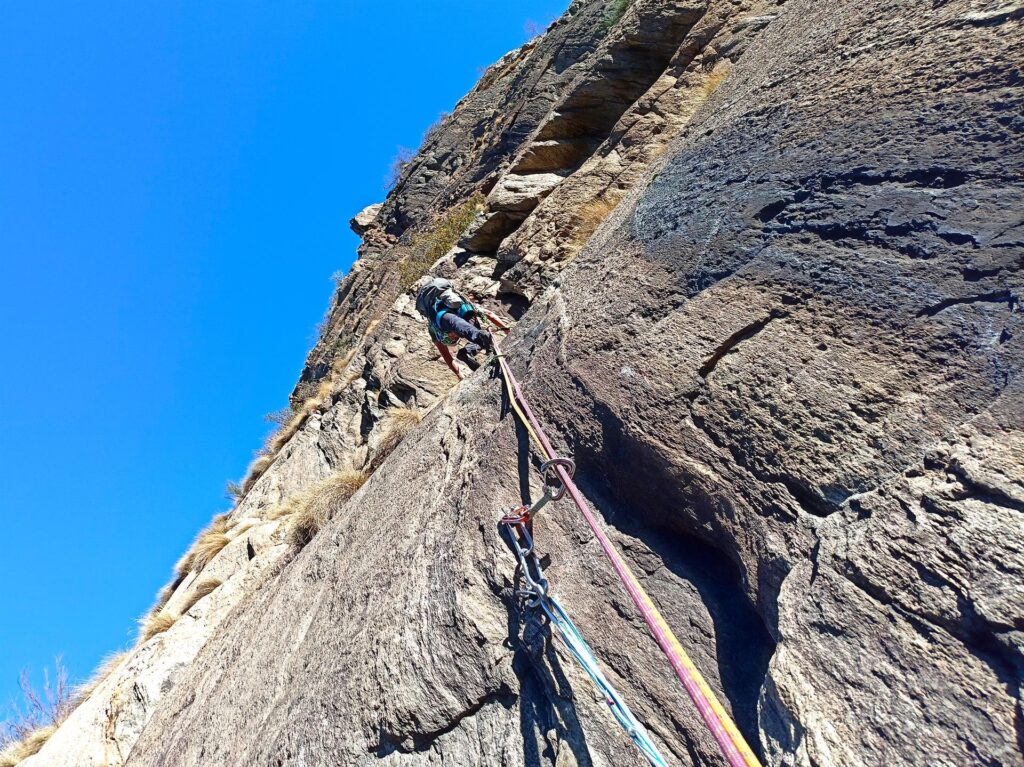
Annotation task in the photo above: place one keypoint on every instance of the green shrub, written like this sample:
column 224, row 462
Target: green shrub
column 429, row 247
column 615, row 11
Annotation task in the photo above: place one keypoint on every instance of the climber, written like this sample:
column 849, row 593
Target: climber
column 451, row 317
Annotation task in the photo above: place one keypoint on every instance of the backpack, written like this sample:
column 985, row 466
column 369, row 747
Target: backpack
column 437, row 297
column 427, row 298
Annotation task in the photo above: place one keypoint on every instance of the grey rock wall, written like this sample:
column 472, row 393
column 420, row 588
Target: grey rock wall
column 787, row 365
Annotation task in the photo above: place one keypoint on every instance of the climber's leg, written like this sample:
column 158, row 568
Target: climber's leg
column 478, row 339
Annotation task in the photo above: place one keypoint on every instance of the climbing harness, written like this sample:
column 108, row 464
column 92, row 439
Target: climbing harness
column 442, row 336
column 732, row 744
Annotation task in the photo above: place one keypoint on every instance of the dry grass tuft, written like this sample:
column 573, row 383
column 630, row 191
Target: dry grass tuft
column 400, row 421
column 203, row 588
column 165, row 594
column 243, row 526
column 206, row 546
column 107, row 667
column 322, row 399
column 256, row 469
column 285, row 508
column 156, row 623
column 233, row 492
column 591, row 215
column 404, row 417
column 303, row 391
column 280, row 437
column 309, row 512
column 16, row 752
column 306, row 522
column 348, row 379
column 319, row 396
column 429, row 247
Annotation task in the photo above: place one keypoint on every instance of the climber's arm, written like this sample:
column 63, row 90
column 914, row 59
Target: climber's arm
column 490, row 316
column 501, row 325
column 447, row 357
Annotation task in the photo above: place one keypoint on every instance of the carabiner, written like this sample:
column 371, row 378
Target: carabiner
column 546, row 469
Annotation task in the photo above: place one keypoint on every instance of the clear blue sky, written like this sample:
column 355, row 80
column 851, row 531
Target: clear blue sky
column 176, row 180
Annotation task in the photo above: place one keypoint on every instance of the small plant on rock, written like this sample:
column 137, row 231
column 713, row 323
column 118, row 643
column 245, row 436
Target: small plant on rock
column 308, row 513
column 614, row 12
column 156, row 623
column 37, row 717
column 430, row 246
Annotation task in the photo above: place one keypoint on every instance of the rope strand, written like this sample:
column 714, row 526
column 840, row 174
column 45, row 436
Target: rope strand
column 731, row 742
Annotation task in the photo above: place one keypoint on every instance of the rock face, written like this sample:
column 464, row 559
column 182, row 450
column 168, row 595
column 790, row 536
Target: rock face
column 788, row 366
column 363, row 221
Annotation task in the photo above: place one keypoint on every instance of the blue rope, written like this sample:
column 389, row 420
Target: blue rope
column 583, row 654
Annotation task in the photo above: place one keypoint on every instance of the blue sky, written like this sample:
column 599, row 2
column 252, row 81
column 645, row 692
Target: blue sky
column 177, row 178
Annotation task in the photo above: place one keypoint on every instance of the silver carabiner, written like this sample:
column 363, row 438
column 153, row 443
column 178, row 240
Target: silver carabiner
column 546, row 470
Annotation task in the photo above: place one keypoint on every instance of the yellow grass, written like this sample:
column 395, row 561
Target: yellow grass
column 309, row 512
column 202, row 589
column 156, row 623
column 107, row 667
column 165, row 594
column 26, row 747
column 404, row 417
column 243, row 526
column 206, row 546
column 399, row 422
column 256, row 469
column 430, row 246
column 322, row 399
column 287, row 507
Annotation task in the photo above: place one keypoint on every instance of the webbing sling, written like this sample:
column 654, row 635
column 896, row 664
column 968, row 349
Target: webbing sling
column 585, row 657
column 535, row 593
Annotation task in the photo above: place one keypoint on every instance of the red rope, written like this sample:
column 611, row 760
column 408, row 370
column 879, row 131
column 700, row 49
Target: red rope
column 729, row 738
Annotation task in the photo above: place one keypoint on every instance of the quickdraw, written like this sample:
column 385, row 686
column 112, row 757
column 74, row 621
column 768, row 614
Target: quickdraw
column 731, row 742
column 535, row 594
column 554, row 490
column 536, row 585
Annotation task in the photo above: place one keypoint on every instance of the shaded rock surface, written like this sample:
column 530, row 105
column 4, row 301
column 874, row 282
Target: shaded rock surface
column 787, row 366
